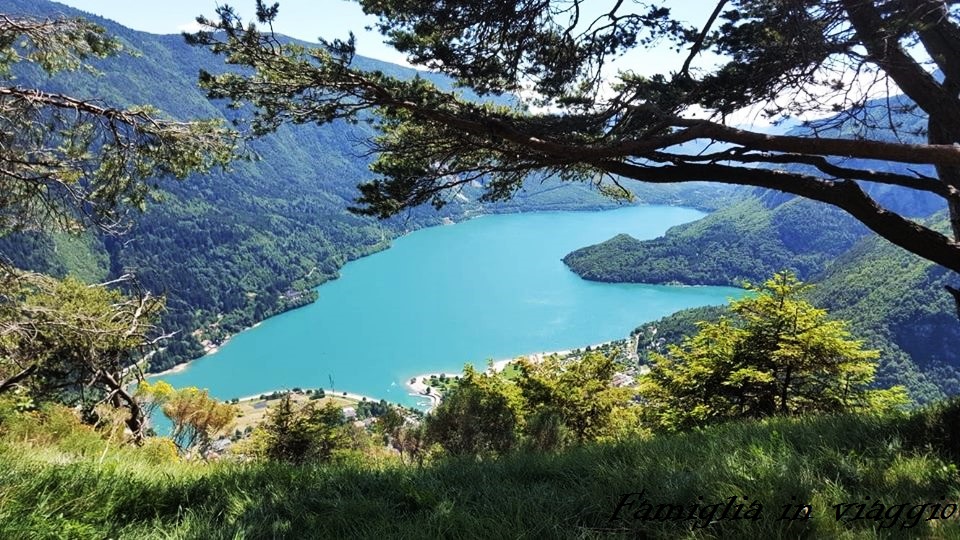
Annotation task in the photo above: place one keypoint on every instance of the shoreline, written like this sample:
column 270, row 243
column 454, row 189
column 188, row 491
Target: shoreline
column 388, row 244
column 327, row 392
column 175, row 369
column 207, row 352
column 417, row 387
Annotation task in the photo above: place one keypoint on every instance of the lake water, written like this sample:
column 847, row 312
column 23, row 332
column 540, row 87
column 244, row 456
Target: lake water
column 489, row 288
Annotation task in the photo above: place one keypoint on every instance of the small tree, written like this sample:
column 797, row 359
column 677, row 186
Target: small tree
column 481, row 416
column 324, row 427
column 390, row 423
column 196, row 418
column 579, row 393
column 546, row 431
column 286, row 440
column 151, row 397
column 71, row 342
column 412, row 442
column 776, row 355
column 298, row 435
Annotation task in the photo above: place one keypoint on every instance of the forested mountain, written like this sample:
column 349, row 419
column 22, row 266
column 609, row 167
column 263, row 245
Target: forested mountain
column 749, row 240
column 897, row 302
column 894, row 299
column 231, row 248
column 228, row 248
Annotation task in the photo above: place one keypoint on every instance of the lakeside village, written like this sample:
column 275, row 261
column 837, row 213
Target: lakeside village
column 364, row 412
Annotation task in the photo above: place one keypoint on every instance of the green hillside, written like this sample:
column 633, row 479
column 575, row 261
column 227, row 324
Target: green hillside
column 749, row 240
column 61, row 480
column 895, row 300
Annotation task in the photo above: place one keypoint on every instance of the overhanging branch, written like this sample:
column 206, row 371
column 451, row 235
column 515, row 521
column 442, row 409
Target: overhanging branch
column 739, row 155
column 846, row 195
column 11, row 381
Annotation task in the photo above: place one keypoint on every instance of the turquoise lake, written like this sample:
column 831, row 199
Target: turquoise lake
column 489, row 288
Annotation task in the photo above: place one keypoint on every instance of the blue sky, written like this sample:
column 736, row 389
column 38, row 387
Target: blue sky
column 331, row 19
column 302, row 19
column 310, row 19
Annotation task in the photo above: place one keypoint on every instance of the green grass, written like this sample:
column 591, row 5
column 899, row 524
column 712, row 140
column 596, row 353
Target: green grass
column 57, row 482
column 443, row 385
column 511, row 372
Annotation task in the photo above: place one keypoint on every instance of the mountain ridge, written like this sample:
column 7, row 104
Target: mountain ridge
column 234, row 247
column 895, row 300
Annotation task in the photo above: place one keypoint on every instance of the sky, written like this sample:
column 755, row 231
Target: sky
column 309, row 20
column 331, row 19
column 303, row 19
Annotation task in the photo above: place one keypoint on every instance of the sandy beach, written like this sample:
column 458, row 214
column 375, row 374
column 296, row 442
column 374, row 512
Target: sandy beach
column 213, row 349
column 181, row 367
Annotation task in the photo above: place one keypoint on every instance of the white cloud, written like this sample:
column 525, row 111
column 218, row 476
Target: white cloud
column 191, row 27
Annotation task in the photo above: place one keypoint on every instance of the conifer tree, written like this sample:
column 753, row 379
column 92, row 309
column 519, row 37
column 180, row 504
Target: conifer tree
column 301, row 434
column 774, row 354
column 481, row 416
column 68, row 164
column 776, row 58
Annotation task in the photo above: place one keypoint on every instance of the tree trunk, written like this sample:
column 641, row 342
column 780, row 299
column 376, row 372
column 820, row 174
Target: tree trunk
column 12, row 381
column 787, row 378
column 136, row 420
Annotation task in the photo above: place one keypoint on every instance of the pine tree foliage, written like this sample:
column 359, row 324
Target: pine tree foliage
column 774, row 354
column 301, row 434
column 67, row 164
column 785, row 58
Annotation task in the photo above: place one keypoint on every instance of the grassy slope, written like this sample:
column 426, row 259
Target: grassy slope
column 67, row 486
